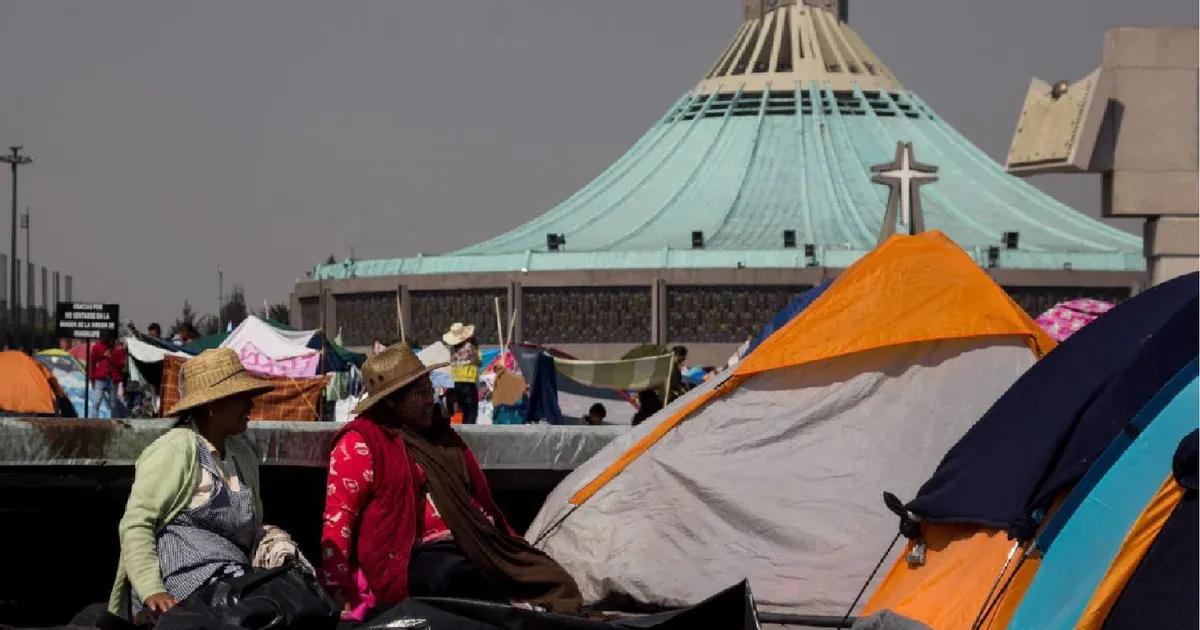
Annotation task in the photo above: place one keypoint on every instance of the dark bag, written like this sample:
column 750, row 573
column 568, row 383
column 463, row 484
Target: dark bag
column 731, row 609
column 286, row 598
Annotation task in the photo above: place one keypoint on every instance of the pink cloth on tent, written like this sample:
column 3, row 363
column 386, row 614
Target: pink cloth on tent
column 301, row 366
column 1067, row 318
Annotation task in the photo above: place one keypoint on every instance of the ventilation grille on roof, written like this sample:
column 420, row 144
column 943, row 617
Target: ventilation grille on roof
column 785, row 104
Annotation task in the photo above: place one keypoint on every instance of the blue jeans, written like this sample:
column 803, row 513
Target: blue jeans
column 105, row 393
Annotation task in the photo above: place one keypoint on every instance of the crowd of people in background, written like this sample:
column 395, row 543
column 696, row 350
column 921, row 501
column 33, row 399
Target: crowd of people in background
column 112, row 393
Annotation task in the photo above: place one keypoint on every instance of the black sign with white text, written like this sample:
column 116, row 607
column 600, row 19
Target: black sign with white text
column 83, row 320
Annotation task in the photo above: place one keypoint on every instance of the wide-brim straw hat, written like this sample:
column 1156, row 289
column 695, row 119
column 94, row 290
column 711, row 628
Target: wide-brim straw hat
column 214, row 375
column 457, row 334
column 390, row 371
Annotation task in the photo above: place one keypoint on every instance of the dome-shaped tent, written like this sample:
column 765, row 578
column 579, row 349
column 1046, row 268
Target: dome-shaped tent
column 25, row 386
column 774, row 473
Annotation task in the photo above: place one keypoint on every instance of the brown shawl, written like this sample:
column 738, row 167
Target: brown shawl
column 525, row 573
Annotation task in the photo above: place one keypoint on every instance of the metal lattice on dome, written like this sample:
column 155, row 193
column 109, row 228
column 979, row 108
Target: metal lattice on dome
column 765, row 163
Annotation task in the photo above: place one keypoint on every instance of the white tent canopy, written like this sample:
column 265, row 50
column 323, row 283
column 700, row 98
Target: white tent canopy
column 149, row 353
column 271, row 341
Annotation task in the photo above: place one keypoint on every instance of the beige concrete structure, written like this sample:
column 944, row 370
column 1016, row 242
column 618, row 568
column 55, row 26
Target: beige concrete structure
column 1134, row 120
column 782, row 42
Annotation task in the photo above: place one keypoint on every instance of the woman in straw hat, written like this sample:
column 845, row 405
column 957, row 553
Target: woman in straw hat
column 464, row 368
column 194, row 510
column 408, row 510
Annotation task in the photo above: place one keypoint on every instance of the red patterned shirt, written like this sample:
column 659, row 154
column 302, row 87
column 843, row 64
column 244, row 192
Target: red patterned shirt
column 351, row 476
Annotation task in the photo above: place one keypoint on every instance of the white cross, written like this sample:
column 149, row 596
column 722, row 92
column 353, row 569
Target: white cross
column 904, row 176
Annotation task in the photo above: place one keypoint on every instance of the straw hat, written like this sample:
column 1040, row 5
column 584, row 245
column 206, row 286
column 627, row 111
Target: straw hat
column 458, row 334
column 214, row 375
column 388, row 372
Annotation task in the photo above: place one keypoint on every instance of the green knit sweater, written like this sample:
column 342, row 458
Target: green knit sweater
column 165, row 479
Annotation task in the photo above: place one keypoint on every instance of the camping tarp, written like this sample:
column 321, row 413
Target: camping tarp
column 337, row 358
column 543, row 393
column 574, row 398
column 148, row 352
column 774, row 472
column 626, row 375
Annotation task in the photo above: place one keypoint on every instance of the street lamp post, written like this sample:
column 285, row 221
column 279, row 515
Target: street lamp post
column 14, row 160
column 31, row 303
column 25, row 226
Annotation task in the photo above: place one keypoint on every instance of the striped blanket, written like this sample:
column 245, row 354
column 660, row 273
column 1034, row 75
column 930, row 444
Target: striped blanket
column 629, row 375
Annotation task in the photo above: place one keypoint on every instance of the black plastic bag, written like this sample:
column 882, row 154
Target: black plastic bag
column 285, row 598
column 731, row 609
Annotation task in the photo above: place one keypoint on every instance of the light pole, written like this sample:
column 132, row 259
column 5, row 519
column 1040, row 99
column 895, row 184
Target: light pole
column 25, row 226
column 220, row 294
column 29, row 297
column 14, row 160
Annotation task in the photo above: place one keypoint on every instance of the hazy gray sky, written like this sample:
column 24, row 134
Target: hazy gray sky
column 169, row 136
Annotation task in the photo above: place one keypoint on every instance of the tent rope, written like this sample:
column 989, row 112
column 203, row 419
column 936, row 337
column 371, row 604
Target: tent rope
column 990, row 603
column 874, row 571
column 554, row 527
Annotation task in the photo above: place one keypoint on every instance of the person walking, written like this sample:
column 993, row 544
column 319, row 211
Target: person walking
column 117, row 358
column 99, row 370
column 464, row 368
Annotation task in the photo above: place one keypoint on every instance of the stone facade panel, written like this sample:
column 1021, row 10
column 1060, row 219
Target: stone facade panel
column 723, row 314
column 310, row 313
column 366, row 317
column 586, row 314
column 433, row 312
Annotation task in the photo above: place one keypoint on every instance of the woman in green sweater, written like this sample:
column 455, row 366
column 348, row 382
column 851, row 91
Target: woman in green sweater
column 194, row 510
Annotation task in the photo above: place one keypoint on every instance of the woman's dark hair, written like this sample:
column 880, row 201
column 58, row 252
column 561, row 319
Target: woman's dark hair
column 598, row 410
column 649, row 404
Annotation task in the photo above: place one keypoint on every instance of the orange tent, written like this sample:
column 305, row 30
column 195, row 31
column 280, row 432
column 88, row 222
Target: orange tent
column 25, row 385
column 773, row 471
column 910, row 289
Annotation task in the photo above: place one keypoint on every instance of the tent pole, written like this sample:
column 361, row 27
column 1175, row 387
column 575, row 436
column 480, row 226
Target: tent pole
column 499, row 324
column 512, row 322
column 87, row 373
column 400, row 320
column 667, row 387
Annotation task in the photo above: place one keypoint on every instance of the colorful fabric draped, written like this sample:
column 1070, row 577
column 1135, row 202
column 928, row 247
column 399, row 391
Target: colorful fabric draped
column 1067, row 318
column 299, row 366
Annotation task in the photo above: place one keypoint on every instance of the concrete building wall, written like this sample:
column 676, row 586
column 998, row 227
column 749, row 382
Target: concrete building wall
column 1135, row 121
column 711, row 311
column 1148, row 150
